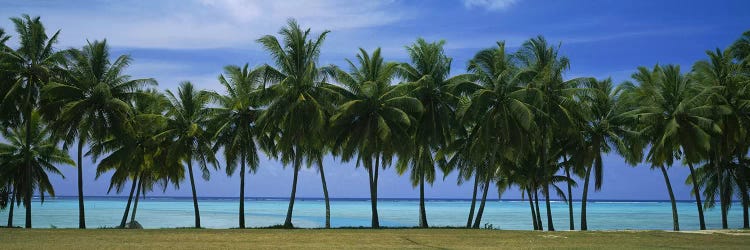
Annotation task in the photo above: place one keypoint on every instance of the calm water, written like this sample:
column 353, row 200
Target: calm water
column 159, row 212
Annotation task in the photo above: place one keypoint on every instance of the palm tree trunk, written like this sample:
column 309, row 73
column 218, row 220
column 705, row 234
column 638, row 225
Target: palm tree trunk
column 12, row 204
column 675, row 220
column 550, row 225
column 242, row 192
column 137, row 197
column 28, row 189
column 195, row 196
column 473, row 200
column 584, row 198
column 570, row 200
column 422, row 210
column 373, row 192
column 288, row 221
column 538, row 213
column 325, row 193
column 533, row 214
column 745, row 203
column 81, row 212
column 481, row 204
column 742, row 184
column 722, row 197
column 697, row 192
column 371, row 176
column 127, row 207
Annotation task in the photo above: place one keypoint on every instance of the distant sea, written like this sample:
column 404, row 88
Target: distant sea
column 171, row 212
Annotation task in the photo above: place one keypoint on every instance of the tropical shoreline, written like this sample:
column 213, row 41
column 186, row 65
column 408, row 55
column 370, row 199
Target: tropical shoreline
column 512, row 120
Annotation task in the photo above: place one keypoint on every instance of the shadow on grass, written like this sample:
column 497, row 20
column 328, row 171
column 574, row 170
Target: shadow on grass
column 279, row 226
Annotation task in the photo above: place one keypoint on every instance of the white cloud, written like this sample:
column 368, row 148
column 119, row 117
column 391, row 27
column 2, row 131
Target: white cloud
column 489, row 4
column 204, row 23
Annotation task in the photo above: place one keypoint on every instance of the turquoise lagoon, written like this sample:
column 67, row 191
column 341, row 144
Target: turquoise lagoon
column 171, row 212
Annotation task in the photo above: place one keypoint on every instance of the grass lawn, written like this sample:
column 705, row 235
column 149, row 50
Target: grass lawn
column 361, row 238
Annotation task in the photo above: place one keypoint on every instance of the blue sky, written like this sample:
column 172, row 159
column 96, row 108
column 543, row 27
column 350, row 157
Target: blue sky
column 173, row 41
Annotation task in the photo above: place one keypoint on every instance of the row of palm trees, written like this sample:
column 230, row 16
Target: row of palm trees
column 512, row 120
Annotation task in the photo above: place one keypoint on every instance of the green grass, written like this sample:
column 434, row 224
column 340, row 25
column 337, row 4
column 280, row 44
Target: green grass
column 361, row 238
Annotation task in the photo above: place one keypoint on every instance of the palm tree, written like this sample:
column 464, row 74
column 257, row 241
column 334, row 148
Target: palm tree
column 523, row 173
column 459, row 155
column 40, row 151
column 719, row 179
column 427, row 78
column 8, row 194
column 160, row 168
column 573, row 160
column 740, row 49
column 187, row 120
column 234, row 124
column 498, row 109
column 675, row 119
column 30, row 66
column 605, row 131
column 721, row 76
column 557, row 111
column 7, row 112
column 131, row 151
column 3, row 38
column 91, row 102
column 298, row 98
column 373, row 117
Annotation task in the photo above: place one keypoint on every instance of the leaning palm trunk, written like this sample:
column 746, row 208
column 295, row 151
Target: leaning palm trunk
column 538, row 213
column 584, row 198
column 325, row 193
column 550, row 225
column 696, row 191
column 422, row 210
column 81, row 212
column 481, row 204
column 127, row 207
column 533, row 213
column 195, row 196
column 288, row 221
column 473, row 200
column 570, row 200
column 675, row 220
column 242, row 192
column 10, row 211
column 137, row 197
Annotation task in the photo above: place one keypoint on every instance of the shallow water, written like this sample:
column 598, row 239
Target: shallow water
column 169, row 212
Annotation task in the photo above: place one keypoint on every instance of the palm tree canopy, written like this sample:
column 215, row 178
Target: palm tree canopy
column 374, row 114
column 298, row 100
column 672, row 114
column 187, row 121
column 44, row 153
column 427, row 80
column 234, row 119
column 608, row 127
column 91, row 100
column 140, row 152
column 29, row 67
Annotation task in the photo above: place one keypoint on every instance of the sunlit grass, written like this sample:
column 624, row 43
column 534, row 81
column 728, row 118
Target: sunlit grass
column 361, row 238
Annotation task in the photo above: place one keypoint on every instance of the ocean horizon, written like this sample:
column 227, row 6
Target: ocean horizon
column 309, row 212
